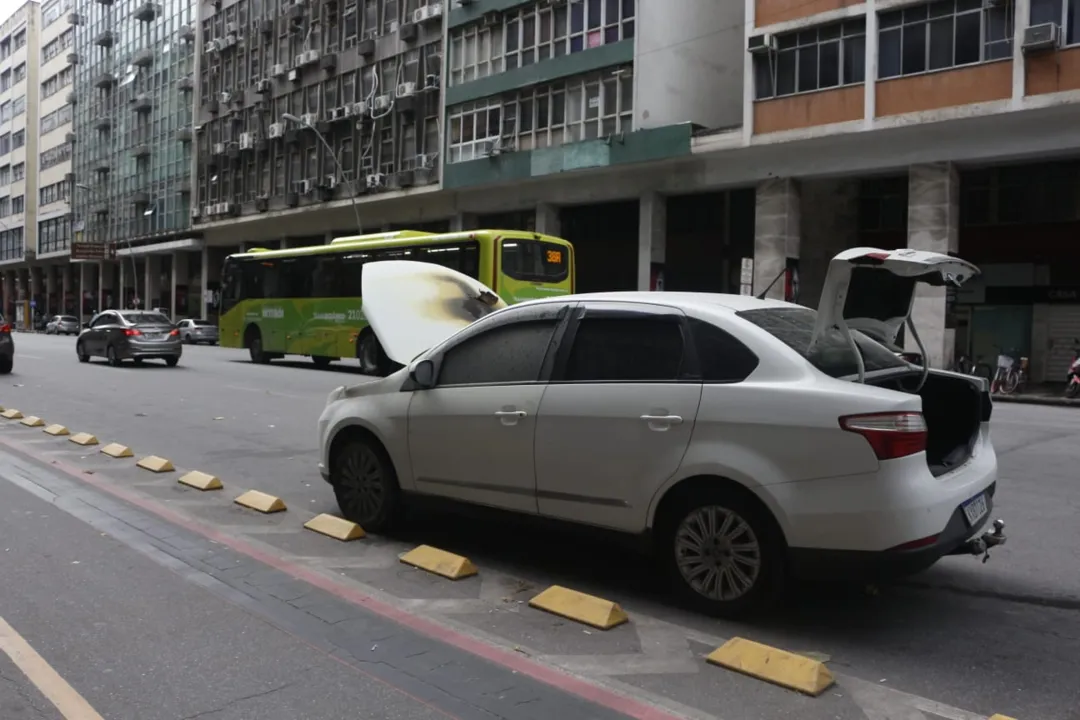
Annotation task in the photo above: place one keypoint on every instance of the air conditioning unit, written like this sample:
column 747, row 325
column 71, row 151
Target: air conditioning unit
column 309, row 118
column 359, row 108
column 336, row 114
column 194, row 211
column 225, row 97
column 376, row 180
column 278, row 70
column 761, row 44
column 263, row 86
column 227, row 42
column 294, row 75
column 491, row 19
column 247, row 141
column 212, row 46
column 276, row 130
column 304, row 187
column 424, row 160
column 219, row 148
column 310, row 56
column 381, row 102
column 428, row 12
column 406, row 89
column 207, row 210
column 222, row 208
column 230, row 28
column 331, row 182
column 1044, row 36
column 298, row 60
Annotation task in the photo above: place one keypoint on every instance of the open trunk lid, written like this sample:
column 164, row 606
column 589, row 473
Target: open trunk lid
column 413, row 306
column 873, row 291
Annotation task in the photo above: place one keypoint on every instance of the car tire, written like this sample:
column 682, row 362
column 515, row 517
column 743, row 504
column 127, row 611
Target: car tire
column 83, row 357
column 7, row 364
column 321, row 361
column 112, row 357
column 253, row 340
column 172, row 360
column 373, row 359
column 365, row 482
column 723, row 553
column 137, row 361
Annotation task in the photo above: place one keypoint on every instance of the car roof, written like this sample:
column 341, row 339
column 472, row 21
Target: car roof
column 707, row 302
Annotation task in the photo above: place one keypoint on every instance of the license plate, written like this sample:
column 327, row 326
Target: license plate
column 155, row 336
column 975, row 509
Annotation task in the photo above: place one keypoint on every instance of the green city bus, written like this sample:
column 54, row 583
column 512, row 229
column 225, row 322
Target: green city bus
column 306, row 301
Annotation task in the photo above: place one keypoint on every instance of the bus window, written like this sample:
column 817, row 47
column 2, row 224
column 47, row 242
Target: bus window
column 327, row 276
column 463, row 258
column 231, row 292
column 295, row 277
column 535, row 260
column 350, row 274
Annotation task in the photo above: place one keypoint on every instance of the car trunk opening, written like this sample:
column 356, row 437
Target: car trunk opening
column 954, row 406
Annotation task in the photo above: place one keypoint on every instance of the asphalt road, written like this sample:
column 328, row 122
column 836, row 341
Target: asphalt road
column 964, row 640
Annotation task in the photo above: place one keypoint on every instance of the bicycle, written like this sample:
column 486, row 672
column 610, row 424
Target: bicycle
column 1011, row 373
column 974, row 367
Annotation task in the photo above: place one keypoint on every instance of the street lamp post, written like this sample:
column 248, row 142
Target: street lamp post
column 341, row 173
column 134, row 267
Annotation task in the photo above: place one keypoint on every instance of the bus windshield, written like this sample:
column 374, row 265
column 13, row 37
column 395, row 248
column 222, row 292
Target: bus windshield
column 535, row 260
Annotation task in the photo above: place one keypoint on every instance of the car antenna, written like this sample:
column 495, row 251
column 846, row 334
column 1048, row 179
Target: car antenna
column 763, row 293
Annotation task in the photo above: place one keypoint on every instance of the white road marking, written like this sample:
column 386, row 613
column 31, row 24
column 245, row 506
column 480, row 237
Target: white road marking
column 28, row 357
column 56, row 690
column 264, row 391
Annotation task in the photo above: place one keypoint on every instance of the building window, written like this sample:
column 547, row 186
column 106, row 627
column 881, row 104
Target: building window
column 57, row 82
column 18, row 139
column 537, row 33
column 58, row 117
column 53, row 11
column 19, row 73
column 942, row 35
column 19, row 41
column 5, row 175
column 54, row 235
column 57, row 46
column 815, row 59
column 57, row 192
column 584, row 108
column 18, row 205
column 11, row 244
column 1065, row 13
column 52, row 157
column 18, row 106
column 18, row 171
column 5, row 143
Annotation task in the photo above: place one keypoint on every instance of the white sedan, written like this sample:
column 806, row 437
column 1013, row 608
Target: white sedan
column 751, row 440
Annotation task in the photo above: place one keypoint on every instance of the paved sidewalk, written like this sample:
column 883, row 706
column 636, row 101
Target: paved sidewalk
column 1041, row 394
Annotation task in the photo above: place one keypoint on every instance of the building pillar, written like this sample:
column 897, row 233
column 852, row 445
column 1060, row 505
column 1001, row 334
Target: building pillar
column 66, row 287
column 777, row 214
column 829, row 224
column 933, row 225
column 652, row 236
column 151, row 281
column 548, row 220
column 9, row 296
column 462, row 222
column 179, row 277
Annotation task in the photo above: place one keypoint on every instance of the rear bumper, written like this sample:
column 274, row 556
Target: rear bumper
column 151, row 349
column 855, row 565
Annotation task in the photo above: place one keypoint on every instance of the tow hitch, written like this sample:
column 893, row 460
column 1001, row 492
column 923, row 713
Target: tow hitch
column 981, row 545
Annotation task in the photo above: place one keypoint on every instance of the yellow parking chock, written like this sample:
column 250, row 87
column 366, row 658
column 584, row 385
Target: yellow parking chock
column 57, row 430
column 155, row 464
column 33, row 421
column 116, row 450
column 439, row 562
column 335, row 527
column 779, row 667
column 11, row 414
column 83, row 439
column 261, row 502
column 573, row 605
column 200, row 481
column 999, row 716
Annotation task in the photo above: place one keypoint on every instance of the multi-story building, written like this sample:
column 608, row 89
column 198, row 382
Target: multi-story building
column 132, row 130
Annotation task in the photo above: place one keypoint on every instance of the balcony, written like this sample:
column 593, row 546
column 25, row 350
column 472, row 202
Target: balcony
column 140, row 198
column 147, row 11
column 143, row 58
column 69, row 138
column 184, row 187
column 74, row 19
column 72, row 98
column 101, row 209
column 140, row 151
column 105, row 81
column 73, row 58
column 142, row 104
column 103, row 123
column 185, row 83
column 187, row 34
column 105, row 2
column 105, row 39
column 184, row 135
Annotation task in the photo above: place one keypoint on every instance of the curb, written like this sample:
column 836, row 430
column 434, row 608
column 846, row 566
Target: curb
column 1037, row 400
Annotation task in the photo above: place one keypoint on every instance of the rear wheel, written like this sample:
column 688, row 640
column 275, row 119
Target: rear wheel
column 137, row 361
column 321, row 361
column 172, row 360
column 721, row 552
column 7, row 363
column 112, row 357
column 253, row 340
column 81, row 352
column 1011, row 382
column 1072, row 389
column 365, row 482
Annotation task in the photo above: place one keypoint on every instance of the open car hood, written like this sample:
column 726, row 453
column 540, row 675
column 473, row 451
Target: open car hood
column 413, row 306
column 873, row 290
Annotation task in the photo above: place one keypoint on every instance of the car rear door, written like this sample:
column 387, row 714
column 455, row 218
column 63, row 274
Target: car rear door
column 617, row 416
column 97, row 336
column 471, row 436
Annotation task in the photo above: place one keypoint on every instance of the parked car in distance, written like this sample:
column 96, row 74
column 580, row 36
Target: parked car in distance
column 62, row 325
column 748, row 440
column 198, row 331
column 137, row 335
column 7, row 347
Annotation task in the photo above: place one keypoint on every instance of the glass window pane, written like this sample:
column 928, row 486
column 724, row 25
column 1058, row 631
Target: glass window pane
column 968, row 41
column 855, row 59
column 941, row 43
column 829, row 64
column 914, row 57
column 808, row 66
column 785, row 73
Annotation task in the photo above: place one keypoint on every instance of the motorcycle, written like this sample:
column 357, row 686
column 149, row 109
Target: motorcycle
column 1072, row 386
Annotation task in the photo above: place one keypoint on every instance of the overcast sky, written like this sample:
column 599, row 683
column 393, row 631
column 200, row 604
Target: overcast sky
column 9, row 6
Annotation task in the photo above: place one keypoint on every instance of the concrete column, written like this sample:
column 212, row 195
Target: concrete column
column 203, row 280
column 9, row 296
column 80, row 289
column 462, row 222
column 829, row 224
column 66, row 287
column 652, row 235
column 179, row 277
column 548, row 220
column 777, row 214
column 934, row 225
column 152, row 281
column 49, row 277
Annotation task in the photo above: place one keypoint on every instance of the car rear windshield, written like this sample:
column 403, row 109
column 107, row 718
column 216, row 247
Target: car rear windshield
column 832, row 355
column 202, row 323
column 146, row 318
column 535, row 260
column 68, row 318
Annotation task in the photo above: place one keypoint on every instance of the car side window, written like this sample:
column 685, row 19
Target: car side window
column 721, row 357
column 626, row 349
column 511, row 353
column 103, row 319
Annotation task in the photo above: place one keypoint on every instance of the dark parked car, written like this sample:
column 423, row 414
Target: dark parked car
column 198, row 331
column 63, row 325
column 7, row 347
column 138, row 335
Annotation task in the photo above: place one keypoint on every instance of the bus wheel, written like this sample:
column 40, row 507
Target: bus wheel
column 370, row 353
column 253, row 340
column 321, row 361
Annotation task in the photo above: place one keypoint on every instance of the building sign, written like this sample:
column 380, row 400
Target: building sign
column 92, row 251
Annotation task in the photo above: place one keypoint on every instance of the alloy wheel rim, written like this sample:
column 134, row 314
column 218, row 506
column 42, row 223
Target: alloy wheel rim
column 362, row 480
column 717, row 553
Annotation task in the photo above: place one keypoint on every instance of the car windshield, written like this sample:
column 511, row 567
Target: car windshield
column 146, row 318
column 832, row 355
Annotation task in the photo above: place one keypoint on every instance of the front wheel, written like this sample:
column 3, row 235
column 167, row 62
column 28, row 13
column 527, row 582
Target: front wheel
column 365, row 483
column 7, row 363
column 255, row 349
column 722, row 553
column 1072, row 389
column 81, row 352
column 172, row 360
column 112, row 357
column 321, row 361
column 1011, row 383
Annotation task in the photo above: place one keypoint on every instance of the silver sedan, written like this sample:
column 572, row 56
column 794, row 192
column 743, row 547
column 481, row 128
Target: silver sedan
column 137, row 335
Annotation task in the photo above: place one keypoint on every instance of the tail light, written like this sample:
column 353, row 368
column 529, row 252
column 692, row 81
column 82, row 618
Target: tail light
column 891, row 435
column 130, row 332
column 5, row 328
column 174, row 333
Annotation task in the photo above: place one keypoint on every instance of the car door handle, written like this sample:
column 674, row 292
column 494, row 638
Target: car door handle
column 662, row 422
column 510, row 413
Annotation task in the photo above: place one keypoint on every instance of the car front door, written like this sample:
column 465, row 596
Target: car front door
column 617, row 416
column 471, row 435
column 95, row 336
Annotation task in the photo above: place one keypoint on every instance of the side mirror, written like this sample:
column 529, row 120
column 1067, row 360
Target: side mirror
column 423, row 374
